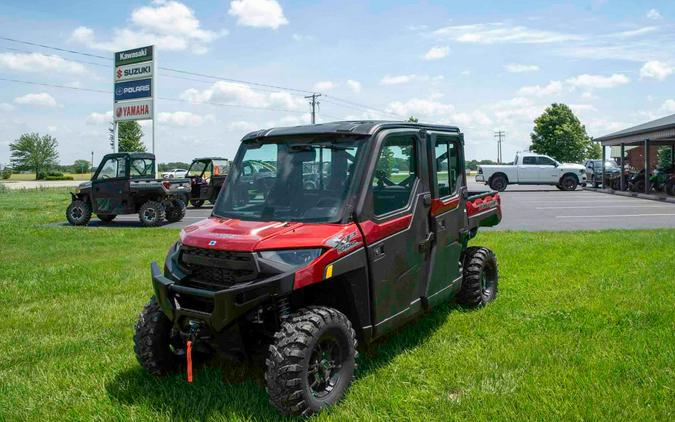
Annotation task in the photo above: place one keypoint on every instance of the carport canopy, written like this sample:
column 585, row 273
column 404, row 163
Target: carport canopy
column 659, row 132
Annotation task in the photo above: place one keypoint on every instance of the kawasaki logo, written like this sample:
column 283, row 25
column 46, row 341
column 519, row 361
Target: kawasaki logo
column 134, row 54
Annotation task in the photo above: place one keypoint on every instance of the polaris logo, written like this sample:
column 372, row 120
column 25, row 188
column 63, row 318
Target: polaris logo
column 133, row 89
column 212, row 243
column 130, row 90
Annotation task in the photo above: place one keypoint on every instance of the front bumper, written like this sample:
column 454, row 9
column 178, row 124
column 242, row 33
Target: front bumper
column 217, row 309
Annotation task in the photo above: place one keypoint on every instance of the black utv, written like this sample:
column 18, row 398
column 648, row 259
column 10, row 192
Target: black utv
column 353, row 229
column 207, row 176
column 125, row 183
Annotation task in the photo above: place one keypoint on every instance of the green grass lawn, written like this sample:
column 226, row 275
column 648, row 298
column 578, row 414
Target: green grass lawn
column 583, row 328
column 22, row 177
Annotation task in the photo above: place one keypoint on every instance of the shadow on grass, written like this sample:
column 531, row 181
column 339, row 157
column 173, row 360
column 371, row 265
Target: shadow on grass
column 238, row 391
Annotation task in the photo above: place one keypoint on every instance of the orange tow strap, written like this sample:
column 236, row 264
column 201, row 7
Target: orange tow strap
column 189, row 361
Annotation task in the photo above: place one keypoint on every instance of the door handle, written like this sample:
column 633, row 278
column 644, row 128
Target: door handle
column 379, row 250
column 426, row 199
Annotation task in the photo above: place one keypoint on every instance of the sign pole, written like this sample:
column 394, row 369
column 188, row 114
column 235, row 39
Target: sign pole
column 154, row 103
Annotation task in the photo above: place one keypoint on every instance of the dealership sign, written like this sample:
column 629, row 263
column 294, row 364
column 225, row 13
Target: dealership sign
column 136, row 55
column 132, row 90
column 133, row 71
column 133, row 110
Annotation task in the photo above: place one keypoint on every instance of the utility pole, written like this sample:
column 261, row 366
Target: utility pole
column 314, row 103
column 92, row 163
column 500, row 135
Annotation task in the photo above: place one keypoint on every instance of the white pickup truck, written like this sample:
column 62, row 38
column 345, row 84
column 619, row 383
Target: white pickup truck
column 533, row 169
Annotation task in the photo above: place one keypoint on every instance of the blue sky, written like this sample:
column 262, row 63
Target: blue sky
column 482, row 66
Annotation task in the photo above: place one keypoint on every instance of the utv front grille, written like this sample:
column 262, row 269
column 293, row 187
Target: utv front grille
column 215, row 270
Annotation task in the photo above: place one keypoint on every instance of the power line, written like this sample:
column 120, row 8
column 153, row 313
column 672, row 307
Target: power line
column 65, row 50
column 500, row 135
column 314, row 103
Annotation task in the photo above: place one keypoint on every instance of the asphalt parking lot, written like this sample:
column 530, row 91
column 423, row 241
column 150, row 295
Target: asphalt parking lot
column 527, row 208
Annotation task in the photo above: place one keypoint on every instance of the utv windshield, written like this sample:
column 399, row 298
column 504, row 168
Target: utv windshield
column 302, row 179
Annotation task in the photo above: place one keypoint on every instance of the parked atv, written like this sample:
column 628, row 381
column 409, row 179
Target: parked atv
column 207, row 176
column 303, row 271
column 124, row 183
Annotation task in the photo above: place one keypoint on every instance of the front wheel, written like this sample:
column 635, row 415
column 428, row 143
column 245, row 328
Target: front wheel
column 311, row 362
column 176, row 211
column 480, row 277
column 152, row 213
column 197, row 203
column 78, row 213
column 153, row 341
column 569, row 183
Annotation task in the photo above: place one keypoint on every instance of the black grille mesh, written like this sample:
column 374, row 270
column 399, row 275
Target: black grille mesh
column 214, row 270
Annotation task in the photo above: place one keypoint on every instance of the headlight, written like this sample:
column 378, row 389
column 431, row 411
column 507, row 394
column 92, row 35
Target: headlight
column 294, row 257
column 583, row 171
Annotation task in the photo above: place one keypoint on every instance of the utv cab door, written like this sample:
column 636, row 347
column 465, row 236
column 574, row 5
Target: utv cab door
column 395, row 223
column 110, row 187
column 447, row 215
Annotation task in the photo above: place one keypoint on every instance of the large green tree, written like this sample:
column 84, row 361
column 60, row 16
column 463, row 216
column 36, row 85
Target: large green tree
column 34, row 152
column 559, row 133
column 81, row 166
column 129, row 136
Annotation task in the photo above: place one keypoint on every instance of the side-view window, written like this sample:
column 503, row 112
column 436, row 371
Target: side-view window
column 141, row 168
column 112, row 168
column 448, row 165
column 395, row 174
column 530, row 161
column 545, row 161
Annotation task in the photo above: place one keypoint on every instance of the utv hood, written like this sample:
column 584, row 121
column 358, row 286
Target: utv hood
column 84, row 186
column 242, row 235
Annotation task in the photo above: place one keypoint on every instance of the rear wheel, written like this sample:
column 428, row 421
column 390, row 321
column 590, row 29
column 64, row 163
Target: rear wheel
column 153, row 341
column 311, row 362
column 176, row 211
column 480, row 277
column 78, row 213
column 106, row 218
column 670, row 187
column 197, row 203
column 498, row 183
column 569, row 183
column 152, row 213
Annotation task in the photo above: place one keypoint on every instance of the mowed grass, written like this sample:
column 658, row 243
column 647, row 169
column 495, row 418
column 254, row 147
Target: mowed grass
column 583, row 328
column 23, row 177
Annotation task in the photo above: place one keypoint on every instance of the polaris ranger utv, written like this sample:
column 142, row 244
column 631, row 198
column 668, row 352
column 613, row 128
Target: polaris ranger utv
column 207, row 176
column 124, row 183
column 300, row 271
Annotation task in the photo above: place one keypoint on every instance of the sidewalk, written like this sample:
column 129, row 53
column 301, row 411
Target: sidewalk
column 37, row 184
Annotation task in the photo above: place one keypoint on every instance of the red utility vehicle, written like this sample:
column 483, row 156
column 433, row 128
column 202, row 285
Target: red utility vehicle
column 302, row 270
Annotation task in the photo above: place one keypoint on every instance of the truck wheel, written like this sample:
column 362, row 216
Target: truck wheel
column 559, row 187
column 480, row 278
column 106, row 218
column 311, row 361
column 569, row 183
column 152, row 341
column 498, row 183
column 78, row 213
column 152, row 213
column 176, row 211
column 197, row 203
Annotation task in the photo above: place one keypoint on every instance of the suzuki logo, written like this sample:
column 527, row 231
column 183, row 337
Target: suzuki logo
column 119, row 73
column 212, row 243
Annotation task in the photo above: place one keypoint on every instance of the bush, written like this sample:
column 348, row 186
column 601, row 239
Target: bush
column 6, row 173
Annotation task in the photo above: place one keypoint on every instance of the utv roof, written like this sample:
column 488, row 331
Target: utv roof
column 350, row 127
column 132, row 154
column 210, row 158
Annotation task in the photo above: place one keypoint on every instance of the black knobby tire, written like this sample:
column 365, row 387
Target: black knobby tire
column 298, row 383
column 152, row 213
column 176, row 211
column 559, row 187
column 480, row 278
column 569, row 183
column 106, row 218
column 498, row 183
column 152, row 341
column 78, row 213
column 197, row 203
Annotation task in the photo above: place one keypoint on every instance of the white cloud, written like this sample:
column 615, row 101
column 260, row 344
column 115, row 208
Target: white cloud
column 6, row 107
column 397, row 79
column 517, row 109
column 552, row 88
column 656, row 70
column 38, row 62
column 582, row 108
column 501, row 33
column 233, row 93
column 242, row 126
column 471, row 119
column 258, row 13
column 588, row 96
column 355, row 86
column 423, row 109
column 653, row 14
column 521, row 68
column 324, row 86
column 436, row 53
column 41, row 99
column 598, row 81
column 170, row 25
column 96, row 119
column 668, row 106
column 300, row 37
column 182, row 118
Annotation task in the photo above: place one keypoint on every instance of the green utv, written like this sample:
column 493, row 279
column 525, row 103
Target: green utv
column 354, row 229
column 124, row 183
